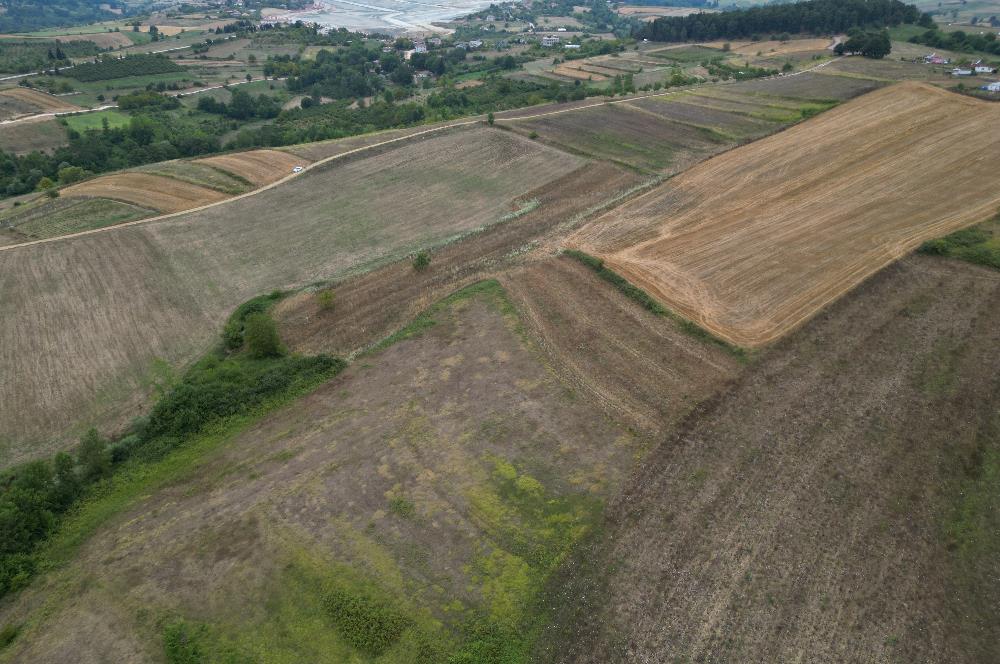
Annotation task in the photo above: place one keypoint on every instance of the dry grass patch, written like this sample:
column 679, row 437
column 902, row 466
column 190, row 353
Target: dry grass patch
column 102, row 39
column 19, row 102
column 771, row 48
column 43, row 135
column 102, row 308
column 752, row 243
column 161, row 193
column 257, row 166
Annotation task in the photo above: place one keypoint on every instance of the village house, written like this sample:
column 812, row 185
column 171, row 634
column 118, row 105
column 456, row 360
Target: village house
column 992, row 87
column 961, row 71
column 935, row 59
column 550, row 40
column 981, row 68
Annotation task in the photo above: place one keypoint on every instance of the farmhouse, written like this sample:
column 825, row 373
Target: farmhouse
column 960, row 71
column 992, row 87
column 934, row 59
column 550, row 40
column 981, row 68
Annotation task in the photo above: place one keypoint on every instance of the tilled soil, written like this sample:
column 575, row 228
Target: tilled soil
column 799, row 517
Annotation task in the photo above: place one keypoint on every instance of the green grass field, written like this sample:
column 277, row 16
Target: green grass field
column 85, row 121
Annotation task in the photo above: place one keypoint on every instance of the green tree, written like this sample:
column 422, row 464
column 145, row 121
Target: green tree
column 261, row 336
column 93, row 456
column 489, row 118
column 67, row 486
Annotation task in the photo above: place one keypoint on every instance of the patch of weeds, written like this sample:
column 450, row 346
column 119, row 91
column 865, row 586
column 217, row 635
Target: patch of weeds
column 978, row 244
column 8, row 634
column 402, row 507
column 364, row 621
column 646, row 300
column 182, row 643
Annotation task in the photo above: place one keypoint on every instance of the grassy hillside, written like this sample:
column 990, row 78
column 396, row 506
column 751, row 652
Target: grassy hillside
column 111, row 304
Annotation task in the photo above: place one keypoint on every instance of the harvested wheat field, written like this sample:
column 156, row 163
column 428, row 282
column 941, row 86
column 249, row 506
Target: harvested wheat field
column 257, row 166
column 752, row 243
column 578, row 73
column 19, row 102
column 42, row 134
column 102, row 39
column 91, row 315
column 766, row 48
column 154, row 191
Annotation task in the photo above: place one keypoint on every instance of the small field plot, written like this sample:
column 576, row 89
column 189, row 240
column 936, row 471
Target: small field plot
column 752, row 243
column 49, row 218
column 624, row 135
column 23, row 137
column 811, row 86
column 165, row 194
column 19, row 102
column 84, row 121
column 201, row 174
column 258, row 167
column 721, row 123
column 117, row 300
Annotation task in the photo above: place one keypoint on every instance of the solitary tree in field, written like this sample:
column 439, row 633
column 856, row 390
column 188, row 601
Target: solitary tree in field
column 489, row 118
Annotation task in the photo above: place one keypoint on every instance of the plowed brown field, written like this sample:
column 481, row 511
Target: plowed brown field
column 154, row 191
column 258, row 166
column 752, row 243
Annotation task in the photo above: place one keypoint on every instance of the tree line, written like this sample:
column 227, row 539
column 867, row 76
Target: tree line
column 811, row 17
column 959, row 41
column 141, row 64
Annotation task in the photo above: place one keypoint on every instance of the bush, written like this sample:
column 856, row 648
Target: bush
column 232, row 333
column 94, row 457
column 261, row 336
column 8, row 634
column 370, row 625
column 421, row 261
column 325, row 299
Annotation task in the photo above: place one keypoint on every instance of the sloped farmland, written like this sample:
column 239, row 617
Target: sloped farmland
column 88, row 317
column 752, row 243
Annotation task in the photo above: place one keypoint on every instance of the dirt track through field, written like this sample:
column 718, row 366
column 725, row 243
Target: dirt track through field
column 752, row 243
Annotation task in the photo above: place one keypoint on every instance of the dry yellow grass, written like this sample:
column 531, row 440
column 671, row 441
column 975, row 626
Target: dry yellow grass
column 752, row 243
column 19, row 102
column 102, row 39
column 773, row 47
column 151, row 191
column 258, row 166
column 573, row 72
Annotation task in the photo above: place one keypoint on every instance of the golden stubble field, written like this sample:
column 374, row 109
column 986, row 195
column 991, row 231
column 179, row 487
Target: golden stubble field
column 753, row 242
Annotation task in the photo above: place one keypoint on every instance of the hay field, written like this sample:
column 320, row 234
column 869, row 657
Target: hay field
column 257, row 166
column 154, row 191
column 19, row 102
column 89, row 315
column 43, row 134
column 772, row 48
column 754, row 242
column 102, row 39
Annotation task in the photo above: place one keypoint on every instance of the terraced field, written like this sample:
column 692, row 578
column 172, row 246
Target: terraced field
column 47, row 218
column 754, row 242
column 115, row 301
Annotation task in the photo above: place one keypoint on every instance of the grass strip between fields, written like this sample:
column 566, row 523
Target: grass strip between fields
column 646, row 300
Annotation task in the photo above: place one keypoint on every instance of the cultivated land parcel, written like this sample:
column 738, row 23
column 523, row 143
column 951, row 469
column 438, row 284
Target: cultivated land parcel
column 520, row 462
column 754, row 242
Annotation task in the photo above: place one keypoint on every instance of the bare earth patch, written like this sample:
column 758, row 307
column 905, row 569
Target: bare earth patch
column 258, row 166
column 146, row 190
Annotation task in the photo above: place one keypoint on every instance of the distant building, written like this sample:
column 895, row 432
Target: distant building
column 419, row 47
column 475, row 43
column 550, row 40
column 560, row 29
column 981, row 68
column 434, row 41
column 571, row 47
column 934, row 59
column 959, row 71
column 992, row 87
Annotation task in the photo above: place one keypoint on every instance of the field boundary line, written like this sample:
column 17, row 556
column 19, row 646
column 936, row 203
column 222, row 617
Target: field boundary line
column 461, row 123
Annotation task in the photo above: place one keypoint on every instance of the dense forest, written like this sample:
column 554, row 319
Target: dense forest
column 811, row 17
column 28, row 15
